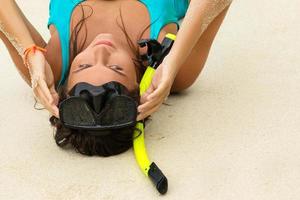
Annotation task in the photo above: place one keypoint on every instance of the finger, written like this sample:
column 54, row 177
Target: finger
column 149, row 103
column 46, row 90
column 39, row 95
column 44, row 101
column 146, row 114
column 56, row 111
column 149, row 110
column 144, row 98
column 50, row 106
column 142, row 107
column 146, row 94
column 139, row 117
column 54, row 95
column 158, row 92
column 53, row 109
column 147, row 106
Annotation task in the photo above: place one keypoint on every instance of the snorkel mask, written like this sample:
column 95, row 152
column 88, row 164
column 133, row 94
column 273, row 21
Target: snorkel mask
column 98, row 109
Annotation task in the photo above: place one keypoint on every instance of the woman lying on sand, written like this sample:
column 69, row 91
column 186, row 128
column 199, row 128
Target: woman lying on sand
column 96, row 42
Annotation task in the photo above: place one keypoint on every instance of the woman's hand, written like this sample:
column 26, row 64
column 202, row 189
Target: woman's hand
column 157, row 92
column 42, row 82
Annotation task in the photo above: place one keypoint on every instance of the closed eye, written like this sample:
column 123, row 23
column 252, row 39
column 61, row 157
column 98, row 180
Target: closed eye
column 82, row 67
column 115, row 68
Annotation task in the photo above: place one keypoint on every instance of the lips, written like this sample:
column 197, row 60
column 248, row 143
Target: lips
column 105, row 42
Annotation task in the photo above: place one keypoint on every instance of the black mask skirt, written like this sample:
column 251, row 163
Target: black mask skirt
column 98, row 109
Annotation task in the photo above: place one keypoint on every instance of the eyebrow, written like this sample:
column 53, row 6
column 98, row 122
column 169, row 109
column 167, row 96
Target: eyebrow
column 85, row 66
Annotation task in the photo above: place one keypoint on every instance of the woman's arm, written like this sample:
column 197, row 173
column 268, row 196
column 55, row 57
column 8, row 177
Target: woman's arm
column 199, row 15
column 13, row 26
column 42, row 81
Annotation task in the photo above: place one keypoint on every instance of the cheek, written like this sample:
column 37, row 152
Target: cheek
column 130, row 67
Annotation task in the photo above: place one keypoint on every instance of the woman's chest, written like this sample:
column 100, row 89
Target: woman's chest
column 112, row 16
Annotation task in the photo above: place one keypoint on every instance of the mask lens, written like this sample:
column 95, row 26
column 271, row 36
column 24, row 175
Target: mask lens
column 76, row 112
column 121, row 111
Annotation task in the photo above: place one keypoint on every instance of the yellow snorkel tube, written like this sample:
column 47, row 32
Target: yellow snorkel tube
column 156, row 54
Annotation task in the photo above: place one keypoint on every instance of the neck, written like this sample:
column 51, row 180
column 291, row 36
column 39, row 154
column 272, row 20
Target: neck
column 105, row 17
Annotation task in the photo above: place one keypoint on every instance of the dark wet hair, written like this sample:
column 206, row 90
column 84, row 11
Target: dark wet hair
column 120, row 140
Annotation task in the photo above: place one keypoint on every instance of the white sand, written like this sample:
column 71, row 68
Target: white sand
column 233, row 135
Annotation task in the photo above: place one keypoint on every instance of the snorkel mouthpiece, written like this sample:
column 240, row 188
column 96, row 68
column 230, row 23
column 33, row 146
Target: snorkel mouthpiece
column 158, row 178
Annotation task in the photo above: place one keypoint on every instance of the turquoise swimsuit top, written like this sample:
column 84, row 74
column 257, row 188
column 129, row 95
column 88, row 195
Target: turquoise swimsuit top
column 162, row 12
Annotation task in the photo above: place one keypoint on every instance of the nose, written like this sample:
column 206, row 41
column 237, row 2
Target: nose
column 102, row 53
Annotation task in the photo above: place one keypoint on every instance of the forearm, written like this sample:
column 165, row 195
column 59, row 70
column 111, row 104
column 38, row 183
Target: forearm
column 13, row 26
column 199, row 15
